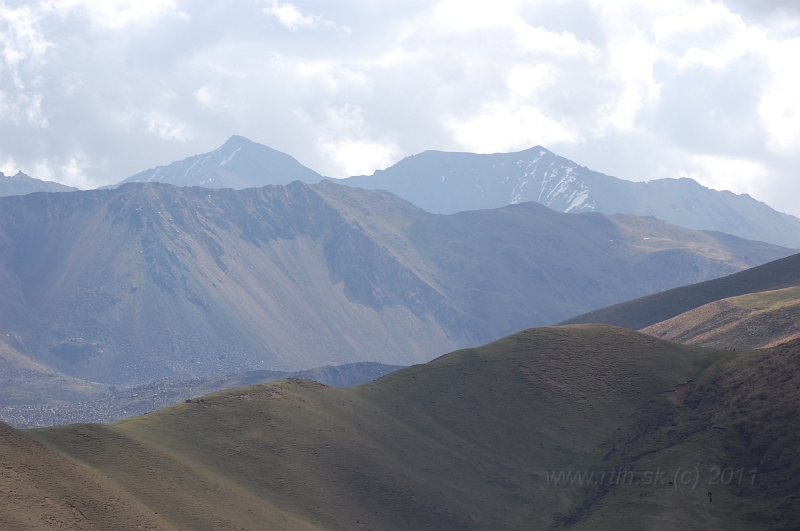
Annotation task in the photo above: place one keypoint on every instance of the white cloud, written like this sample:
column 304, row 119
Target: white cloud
column 525, row 80
column 166, row 127
column 358, row 157
column 725, row 173
column 117, row 14
column 621, row 85
column 347, row 139
column 779, row 106
column 291, row 17
column 505, row 128
column 211, row 99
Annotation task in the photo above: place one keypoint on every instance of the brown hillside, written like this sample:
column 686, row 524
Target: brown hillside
column 746, row 322
column 645, row 311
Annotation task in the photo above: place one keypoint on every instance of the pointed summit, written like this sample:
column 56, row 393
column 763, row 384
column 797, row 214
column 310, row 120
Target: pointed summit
column 21, row 184
column 238, row 163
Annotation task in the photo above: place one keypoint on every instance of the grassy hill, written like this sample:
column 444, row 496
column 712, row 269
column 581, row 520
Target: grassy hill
column 476, row 439
column 651, row 309
column 756, row 320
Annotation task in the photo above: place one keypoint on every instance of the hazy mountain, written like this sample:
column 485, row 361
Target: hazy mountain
column 150, row 281
column 646, row 311
column 664, row 436
column 756, row 320
column 238, row 163
column 445, row 183
column 21, row 184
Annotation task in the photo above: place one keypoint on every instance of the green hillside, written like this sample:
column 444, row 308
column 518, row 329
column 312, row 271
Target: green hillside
column 475, row 439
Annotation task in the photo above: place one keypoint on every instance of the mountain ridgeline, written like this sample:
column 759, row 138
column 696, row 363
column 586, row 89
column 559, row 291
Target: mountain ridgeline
column 442, row 182
column 151, row 281
column 446, row 183
column 21, row 184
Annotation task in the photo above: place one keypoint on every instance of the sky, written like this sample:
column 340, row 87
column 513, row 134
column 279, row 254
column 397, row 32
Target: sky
column 92, row 92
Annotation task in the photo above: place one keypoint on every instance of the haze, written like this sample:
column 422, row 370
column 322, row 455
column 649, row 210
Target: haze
column 92, row 92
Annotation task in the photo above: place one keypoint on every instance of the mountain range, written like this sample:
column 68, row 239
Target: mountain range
column 445, row 183
column 150, row 281
column 21, row 184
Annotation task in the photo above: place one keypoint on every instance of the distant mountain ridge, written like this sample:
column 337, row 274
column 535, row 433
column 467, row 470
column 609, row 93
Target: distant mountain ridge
column 21, row 184
column 151, row 281
column 444, row 183
column 238, row 163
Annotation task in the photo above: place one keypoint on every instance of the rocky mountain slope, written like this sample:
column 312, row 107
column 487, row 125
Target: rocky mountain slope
column 445, row 183
column 21, row 184
column 657, row 435
column 756, row 320
column 646, row 311
column 238, row 163
column 150, row 281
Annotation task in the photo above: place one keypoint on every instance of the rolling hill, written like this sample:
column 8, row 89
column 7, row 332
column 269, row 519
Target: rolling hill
column 149, row 281
column 21, row 184
column 646, row 311
column 665, row 436
column 54, row 399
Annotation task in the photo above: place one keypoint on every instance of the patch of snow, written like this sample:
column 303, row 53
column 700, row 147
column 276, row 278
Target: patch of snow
column 229, row 157
column 516, row 193
column 578, row 198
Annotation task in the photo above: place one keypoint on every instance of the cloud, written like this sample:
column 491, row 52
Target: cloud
column 291, row 17
column 640, row 89
column 166, row 127
column 348, row 141
column 116, row 14
column 508, row 128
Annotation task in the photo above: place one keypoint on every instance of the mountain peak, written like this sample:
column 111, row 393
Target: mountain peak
column 22, row 184
column 238, row 163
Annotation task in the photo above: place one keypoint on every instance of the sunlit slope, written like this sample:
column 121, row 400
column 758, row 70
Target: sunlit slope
column 463, row 442
column 40, row 489
column 749, row 321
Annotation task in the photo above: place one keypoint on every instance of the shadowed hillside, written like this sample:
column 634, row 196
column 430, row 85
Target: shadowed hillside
column 645, row 311
column 473, row 440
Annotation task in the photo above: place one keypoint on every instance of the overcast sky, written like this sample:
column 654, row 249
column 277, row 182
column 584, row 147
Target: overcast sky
column 94, row 91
